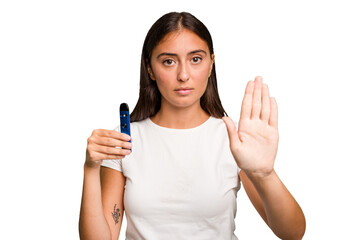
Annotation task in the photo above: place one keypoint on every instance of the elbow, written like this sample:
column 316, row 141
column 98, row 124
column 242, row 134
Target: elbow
column 295, row 231
column 301, row 229
column 295, row 235
column 91, row 233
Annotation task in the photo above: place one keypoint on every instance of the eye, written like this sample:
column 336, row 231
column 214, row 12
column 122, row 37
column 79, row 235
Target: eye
column 196, row 59
column 168, row 62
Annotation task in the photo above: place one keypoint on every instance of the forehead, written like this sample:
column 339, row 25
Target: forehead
column 183, row 40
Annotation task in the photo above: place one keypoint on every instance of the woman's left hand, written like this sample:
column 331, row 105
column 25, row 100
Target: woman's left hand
column 254, row 144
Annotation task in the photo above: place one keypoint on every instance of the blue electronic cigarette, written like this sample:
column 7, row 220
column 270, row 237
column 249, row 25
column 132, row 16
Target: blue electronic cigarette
column 124, row 119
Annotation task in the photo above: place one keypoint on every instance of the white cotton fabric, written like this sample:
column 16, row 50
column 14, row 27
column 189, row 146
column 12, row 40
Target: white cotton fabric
column 180, row 183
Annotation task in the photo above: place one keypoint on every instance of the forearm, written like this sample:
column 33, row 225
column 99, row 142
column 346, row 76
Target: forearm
column 92, row 222
column 283, row 214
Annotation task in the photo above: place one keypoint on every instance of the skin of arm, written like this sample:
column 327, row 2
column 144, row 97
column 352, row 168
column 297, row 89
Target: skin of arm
column 92, row 222
column 112, row 192
column 254, row 147
column 275, row 205
column 102, row 208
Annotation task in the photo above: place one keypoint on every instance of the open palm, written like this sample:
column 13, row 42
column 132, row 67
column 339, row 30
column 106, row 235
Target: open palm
column 254, row 144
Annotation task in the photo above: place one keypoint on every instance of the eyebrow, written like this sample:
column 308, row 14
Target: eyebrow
column 174, row 54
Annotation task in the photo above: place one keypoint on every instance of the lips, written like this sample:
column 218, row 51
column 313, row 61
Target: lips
column 183, row 91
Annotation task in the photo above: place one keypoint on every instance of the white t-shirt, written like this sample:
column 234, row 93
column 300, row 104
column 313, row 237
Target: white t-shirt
column 180, row 183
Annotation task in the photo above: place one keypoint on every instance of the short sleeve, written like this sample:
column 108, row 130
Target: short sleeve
column 114, row 164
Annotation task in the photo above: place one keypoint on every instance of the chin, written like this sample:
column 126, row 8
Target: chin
column 184, row 103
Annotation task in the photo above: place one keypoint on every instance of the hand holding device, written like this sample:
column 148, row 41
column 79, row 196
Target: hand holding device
column 108, row 144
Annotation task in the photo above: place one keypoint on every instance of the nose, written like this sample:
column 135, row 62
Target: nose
column 183, row 72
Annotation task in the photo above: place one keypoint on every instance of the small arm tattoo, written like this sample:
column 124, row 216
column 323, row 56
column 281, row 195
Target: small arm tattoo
column 116, row 214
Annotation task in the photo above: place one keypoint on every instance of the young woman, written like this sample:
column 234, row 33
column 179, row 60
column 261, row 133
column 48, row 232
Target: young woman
column 180, row 179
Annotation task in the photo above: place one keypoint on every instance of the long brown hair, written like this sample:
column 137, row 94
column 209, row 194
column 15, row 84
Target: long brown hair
column 149, row 101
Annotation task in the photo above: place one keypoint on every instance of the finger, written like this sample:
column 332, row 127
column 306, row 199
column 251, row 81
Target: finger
column 265, row 103
column 273, row 121
column 247, row 101
column 112, row 134
column 112, row 142
column 232, row 132
column 256, row 102
column 111, row 150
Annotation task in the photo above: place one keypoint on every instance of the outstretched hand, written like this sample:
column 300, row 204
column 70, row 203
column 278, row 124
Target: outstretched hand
column 254, row 144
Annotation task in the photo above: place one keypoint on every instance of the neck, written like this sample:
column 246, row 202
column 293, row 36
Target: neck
column 180, row 118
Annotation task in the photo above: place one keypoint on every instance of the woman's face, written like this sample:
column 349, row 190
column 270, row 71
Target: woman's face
column 181, row 65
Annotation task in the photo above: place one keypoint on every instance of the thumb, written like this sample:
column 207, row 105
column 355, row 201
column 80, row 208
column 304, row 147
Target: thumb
column 232, row 132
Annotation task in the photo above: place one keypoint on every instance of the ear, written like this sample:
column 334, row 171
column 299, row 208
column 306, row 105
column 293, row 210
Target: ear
column 151, row 74
column 212, row 63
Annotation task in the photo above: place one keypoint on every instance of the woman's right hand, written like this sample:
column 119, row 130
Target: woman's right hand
column 106, row 144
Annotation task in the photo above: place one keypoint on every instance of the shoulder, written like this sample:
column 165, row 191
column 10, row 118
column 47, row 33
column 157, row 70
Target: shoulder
column 139, row 126
column 219, row 121
column 140, row 123
column 219, row 124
